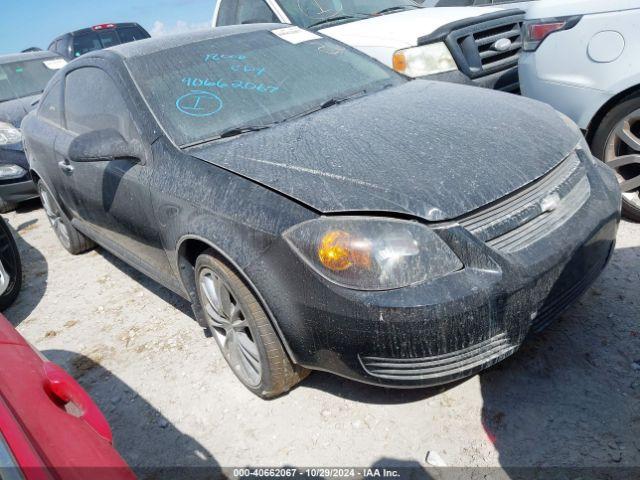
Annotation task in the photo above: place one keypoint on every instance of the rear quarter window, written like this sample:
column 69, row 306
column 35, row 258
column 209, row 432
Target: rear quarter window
column 51, row 105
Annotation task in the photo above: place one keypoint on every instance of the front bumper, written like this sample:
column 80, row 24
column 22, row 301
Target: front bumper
column 16, row 190
column 505, row 81
column 20, row 191
column 452, row 327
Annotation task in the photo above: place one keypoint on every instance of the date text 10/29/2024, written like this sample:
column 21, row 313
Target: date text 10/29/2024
column 320, row 472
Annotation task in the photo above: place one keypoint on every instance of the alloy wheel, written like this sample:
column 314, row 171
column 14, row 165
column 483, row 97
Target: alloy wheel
column 5, row 279
column 622, row 153
column 229, row 325
column 55, row 219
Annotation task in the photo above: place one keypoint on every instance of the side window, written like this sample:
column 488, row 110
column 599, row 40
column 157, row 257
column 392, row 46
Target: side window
column 92, row 101
column 255, row 11
column 63, row 48
column 51, row 105
column 226, row 13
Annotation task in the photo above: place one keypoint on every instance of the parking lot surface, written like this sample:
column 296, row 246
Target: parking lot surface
column 569, row 397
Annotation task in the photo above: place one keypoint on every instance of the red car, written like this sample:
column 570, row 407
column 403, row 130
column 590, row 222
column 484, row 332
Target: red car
column 49, row 426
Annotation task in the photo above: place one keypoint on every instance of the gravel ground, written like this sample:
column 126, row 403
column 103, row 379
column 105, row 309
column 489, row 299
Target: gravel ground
column 570, row 397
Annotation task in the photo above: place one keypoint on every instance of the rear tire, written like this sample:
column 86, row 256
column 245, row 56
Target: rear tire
column 242, row 330
column 618, row 135
column 6, row 207
column 70, row 238
column 11, row 266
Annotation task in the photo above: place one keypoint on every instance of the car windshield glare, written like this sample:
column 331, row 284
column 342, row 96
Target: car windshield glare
column 205, row 90
column 21, row 79
column 307, row 13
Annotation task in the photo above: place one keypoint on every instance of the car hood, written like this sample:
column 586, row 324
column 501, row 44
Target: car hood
column 429, row 149
column 402, row 29
column 13, row 111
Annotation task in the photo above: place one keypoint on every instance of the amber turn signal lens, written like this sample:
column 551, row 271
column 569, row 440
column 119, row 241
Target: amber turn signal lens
column 338, row 251
column 399, row 62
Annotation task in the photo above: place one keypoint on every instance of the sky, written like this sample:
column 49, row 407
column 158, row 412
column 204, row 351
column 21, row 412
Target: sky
column 34, row 23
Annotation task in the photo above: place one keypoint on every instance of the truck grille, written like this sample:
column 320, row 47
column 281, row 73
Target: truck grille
column 493, row 59
column 515, row 222
column 489, row 46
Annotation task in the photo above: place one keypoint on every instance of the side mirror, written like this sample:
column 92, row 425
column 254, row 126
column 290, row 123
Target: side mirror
column 103, row 146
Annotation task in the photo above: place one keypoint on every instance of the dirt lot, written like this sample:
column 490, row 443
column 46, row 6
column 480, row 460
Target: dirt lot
column 570, row 397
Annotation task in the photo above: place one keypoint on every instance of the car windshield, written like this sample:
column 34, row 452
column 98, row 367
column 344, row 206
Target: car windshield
column 21, row 79
column 219, row 87
column 324, row 13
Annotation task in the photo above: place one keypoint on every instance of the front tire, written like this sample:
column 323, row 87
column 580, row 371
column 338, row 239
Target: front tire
column 70, row 238
column 617, row 143
column 242, row 330
column 10, row 267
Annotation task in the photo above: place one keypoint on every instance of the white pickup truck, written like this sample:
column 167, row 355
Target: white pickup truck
column 474, row 45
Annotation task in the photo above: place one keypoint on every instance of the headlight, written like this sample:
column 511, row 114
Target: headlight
column 8, row 172
column 424, row 60
column 9, row 134
column 367, row 253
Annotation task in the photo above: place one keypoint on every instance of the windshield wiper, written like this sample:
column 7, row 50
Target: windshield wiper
column 326, row 104
column 394, row 9
column 230, row 132
column 338, row 18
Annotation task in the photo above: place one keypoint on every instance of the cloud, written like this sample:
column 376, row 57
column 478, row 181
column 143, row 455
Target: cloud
column 159, row 28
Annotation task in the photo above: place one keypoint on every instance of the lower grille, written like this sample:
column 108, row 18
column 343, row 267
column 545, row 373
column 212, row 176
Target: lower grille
column 455, row 363
column 559, row 301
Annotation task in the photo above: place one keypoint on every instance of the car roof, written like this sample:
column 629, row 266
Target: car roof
column 23, row 57
column 156, row 44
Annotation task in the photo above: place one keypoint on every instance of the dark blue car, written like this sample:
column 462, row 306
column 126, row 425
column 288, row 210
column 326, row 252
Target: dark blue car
column 23, row 77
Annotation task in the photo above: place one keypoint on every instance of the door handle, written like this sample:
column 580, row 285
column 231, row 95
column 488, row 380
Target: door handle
column 65, row 167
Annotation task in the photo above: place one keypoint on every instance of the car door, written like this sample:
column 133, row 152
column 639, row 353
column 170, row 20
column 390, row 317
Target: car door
column 110, row 200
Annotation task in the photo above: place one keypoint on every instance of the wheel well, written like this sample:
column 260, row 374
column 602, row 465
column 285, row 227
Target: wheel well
column 188, row 252
column 35, row 177
column 612, row 102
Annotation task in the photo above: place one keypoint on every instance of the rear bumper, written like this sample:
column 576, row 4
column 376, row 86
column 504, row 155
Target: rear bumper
column 452, row 327
column 578, row 102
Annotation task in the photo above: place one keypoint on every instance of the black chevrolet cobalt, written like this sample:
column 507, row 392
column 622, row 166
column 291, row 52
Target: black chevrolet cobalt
column 319, row 210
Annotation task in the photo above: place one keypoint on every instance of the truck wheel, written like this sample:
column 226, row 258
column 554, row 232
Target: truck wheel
column 242, row 330
column 617, row 143
column 10, row 267
column 70, row 238
column 6, row 207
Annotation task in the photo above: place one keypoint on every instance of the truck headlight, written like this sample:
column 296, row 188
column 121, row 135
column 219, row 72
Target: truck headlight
column 9, row 134
column 424, row 60
column 9, row 172
column 369, row 253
